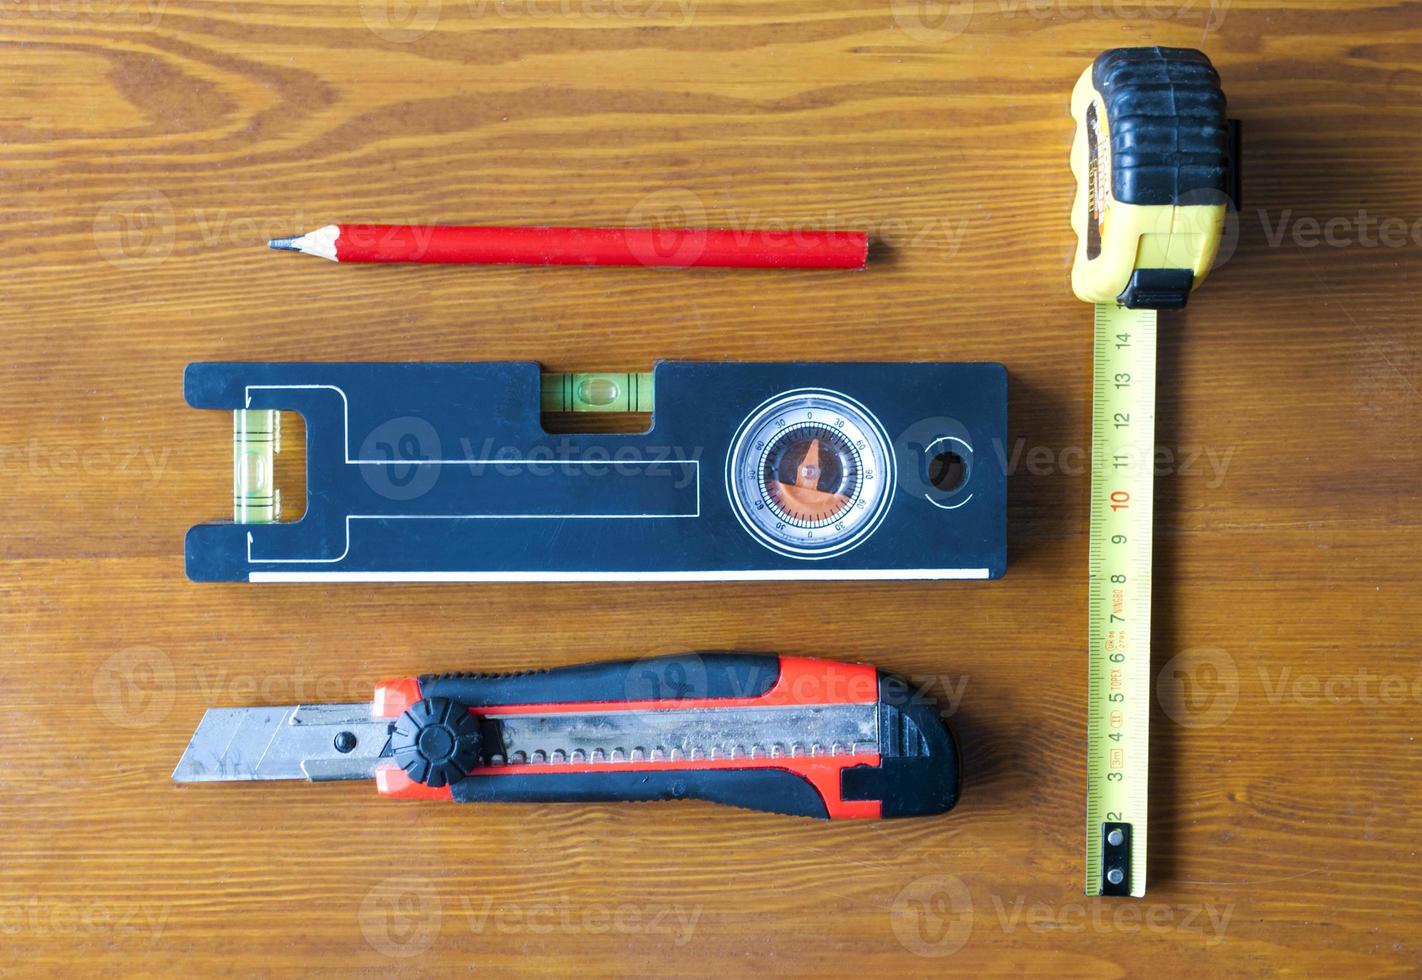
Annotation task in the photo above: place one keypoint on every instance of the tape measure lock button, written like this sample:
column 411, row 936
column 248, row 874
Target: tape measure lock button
column 1157, row 289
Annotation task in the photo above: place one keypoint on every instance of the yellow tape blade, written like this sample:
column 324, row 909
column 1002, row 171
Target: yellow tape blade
column 1119, row 687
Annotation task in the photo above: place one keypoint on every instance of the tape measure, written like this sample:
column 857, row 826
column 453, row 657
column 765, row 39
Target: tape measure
column 1154, row 160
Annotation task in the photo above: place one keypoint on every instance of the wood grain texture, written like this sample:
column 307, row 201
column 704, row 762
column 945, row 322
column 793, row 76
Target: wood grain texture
column 150, row 147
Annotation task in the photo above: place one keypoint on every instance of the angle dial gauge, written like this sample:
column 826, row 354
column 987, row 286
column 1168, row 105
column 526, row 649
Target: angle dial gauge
column 810, row 473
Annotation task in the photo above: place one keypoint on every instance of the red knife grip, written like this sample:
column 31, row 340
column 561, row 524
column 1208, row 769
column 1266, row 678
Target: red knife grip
column 824, row 785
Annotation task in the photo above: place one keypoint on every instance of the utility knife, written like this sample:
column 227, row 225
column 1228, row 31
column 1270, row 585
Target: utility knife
column 804, row 737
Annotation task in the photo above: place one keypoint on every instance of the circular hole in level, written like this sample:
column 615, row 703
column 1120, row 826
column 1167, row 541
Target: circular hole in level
column 947, row 471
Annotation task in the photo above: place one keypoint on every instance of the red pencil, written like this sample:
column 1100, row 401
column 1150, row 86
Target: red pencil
column 456, row 245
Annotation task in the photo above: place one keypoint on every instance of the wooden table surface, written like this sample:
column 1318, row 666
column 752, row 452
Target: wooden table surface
column 149, row 149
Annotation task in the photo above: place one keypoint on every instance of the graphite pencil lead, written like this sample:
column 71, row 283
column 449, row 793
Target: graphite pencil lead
column 320, row 242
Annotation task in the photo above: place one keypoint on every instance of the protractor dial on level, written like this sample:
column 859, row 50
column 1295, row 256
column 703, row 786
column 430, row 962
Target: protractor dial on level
column 810, row 473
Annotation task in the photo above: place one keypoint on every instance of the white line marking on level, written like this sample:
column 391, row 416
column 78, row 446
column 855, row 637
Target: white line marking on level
column 251, row 559
column 947, row 506
column 346, row 447
column 731, row 575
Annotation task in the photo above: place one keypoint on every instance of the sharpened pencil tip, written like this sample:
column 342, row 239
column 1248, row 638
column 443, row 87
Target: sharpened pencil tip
column 285, row 244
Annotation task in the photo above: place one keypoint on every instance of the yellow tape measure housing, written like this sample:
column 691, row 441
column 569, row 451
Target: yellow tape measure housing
column 1153, row 163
